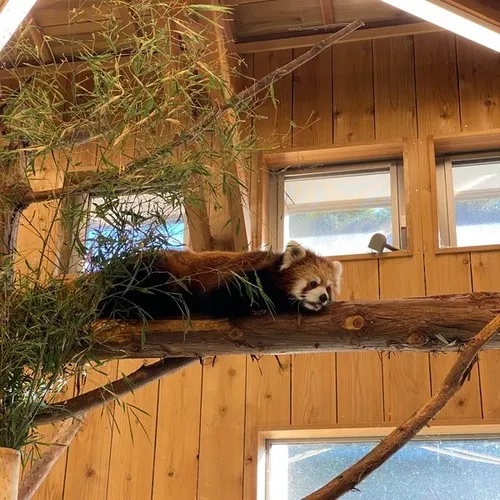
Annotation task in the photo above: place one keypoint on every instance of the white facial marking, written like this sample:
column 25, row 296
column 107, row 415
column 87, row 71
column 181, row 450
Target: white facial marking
column 298, row 287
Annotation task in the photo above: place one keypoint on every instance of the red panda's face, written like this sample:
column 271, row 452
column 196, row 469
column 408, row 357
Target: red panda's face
column 310, row 280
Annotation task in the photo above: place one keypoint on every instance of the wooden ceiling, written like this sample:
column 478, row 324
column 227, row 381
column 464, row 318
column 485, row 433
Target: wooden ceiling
column 255, row 24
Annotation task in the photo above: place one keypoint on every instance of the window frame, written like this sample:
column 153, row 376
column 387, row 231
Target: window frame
column 397, row 202
column 70, row 261
column 442, row 430
column 445, row 205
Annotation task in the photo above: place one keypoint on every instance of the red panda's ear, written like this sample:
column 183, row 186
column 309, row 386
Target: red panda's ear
column 337, row 276
column 294, row 251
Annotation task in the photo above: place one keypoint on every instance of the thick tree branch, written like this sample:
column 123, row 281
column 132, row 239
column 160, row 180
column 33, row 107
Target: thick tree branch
column 444, row 323
column 79, row 405
column 407, row 430
column 41, row 468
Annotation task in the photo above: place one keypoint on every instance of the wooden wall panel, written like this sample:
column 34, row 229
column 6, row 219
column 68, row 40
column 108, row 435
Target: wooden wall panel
column 406, row 374
column 353, row 110
column 176, row 459
column 479, row 78
column 486, row 278
column 89, row 454
column 359, row 374
column 314, row 399
column 222, row 428
column 436, row 83
column 394, row 88
column 267, row 403
column 132, row 448
column 275, row 129
column 312, row 101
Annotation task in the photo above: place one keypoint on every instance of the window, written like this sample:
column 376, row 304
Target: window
column 449, row 468
column 468, row 191
column 336, row 210
column 116, row 225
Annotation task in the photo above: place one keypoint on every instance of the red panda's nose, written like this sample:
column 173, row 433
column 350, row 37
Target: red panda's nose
column 323, row 297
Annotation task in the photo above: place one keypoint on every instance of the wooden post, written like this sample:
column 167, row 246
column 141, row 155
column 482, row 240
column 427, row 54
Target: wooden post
column 10, row 464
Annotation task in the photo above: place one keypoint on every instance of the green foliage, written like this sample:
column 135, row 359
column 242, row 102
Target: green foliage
column 137, row 103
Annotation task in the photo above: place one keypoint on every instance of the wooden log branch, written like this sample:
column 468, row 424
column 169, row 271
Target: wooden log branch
column 442, row 323
column 41, row 467
column 79, row 405
column 402, row 434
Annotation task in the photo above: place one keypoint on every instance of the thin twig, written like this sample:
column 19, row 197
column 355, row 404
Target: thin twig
column 77, row 406
column 41, row 468
column 346, row 481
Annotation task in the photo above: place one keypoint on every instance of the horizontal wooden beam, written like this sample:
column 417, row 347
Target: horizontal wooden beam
column 359, row 35
column 367, row 151
column 465, row 142
column 443, row 323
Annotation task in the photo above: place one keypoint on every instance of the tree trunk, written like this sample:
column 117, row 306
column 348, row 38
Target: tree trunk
column 443, row 323
column 10, row 464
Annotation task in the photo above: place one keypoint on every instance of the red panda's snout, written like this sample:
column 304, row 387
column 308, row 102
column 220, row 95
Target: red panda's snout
column 311, row 280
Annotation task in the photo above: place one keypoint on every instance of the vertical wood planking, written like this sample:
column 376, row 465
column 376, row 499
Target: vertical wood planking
column 222, row 428
column 479, row 79
column 89, row 453
column 359, row 374
column 178, row 435
column 275, row 128
column 313, row 375
column 314, row 398
column 312, row 101
column 406, row 374
column 353, row 92
column 267, row 404
column 486, row 278
column 133, row 441
column 394, row 88
column 436, row 84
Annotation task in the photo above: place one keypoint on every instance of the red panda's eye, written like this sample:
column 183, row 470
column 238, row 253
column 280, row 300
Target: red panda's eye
column 314, row 284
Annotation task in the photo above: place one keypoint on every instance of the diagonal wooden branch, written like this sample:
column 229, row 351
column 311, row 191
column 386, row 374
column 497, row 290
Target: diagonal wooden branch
column 408, row 429
column 77, row 406
column 41, row 468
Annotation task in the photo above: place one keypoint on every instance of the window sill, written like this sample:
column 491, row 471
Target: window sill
column 478, row 248
column 372, row 256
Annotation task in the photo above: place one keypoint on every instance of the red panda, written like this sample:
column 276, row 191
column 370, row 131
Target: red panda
column 163, row 284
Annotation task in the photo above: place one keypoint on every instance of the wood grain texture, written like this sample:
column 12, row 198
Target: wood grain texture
column 275, row 126
column 89, row 453
column 312, row 101
column 267, row 404
column 314, row 398
column 178, row 435
column 485, row 277
column 479, row 79
column 359, row 374
column 436, row 83
column 406, row 375
column 394, row 89
column 132, row 447
column 353, row 111
column 222, row 428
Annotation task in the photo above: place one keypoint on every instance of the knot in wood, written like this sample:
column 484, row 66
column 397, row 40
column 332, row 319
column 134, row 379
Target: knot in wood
column 354, row 322
column 235, row 334
column 416, row 339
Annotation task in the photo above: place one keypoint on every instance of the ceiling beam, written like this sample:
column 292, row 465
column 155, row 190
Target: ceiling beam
column 488, row 11
column 356, row 36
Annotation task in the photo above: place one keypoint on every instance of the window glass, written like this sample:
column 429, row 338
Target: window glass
column 338, row 214
column 423, row 470
column 476, row 194
column 117, row 225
